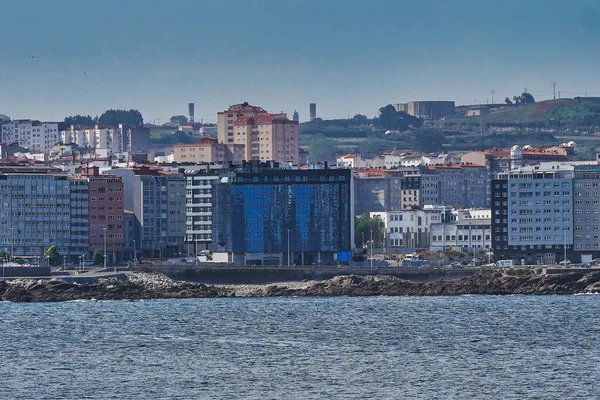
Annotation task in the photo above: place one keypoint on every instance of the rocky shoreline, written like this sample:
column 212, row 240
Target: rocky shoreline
column 139, row 286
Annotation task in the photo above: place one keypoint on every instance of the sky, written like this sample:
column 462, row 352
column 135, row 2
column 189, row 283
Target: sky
column 347, row 56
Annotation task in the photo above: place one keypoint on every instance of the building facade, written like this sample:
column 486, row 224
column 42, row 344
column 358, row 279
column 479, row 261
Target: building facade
column 467, row 230
column 408, row 230
column 106, row 215
column 264, row 214
column 199, row 199
column 208, row 150
column 458, row 185
column 268, row 137
column 107, row 138
column 431, row 110
column 36, row 211
column 157, row 199
column 226, row 119
column 33, row 135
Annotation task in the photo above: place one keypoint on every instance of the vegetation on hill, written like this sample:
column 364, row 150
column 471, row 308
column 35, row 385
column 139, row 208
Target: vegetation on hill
column 109, row 117
column 562, row 113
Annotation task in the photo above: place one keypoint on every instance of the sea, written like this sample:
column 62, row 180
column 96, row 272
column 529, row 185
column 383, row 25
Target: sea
column 467, row 347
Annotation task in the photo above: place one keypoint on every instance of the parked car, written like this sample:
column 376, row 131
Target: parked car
column 565, row 262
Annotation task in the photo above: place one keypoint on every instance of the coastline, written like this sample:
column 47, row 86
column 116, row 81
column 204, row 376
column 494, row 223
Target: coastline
column 138, row 286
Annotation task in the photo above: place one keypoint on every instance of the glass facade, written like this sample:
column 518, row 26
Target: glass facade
column 265, row 212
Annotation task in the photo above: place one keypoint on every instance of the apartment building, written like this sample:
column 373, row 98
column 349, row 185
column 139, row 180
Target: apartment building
column 408, row 230
column 372, row 188
column 268, row 137
column 227, row 118
column 36, row 211
column 458, row 185
column 586, row 208
column 31, row 134
column 105, row 214
column 539, row 212
column 462, row 230
column 158, row 201
column 80, row 232
column 199, row 194
column 110, row 139
column 208, row 150
column 356, row 160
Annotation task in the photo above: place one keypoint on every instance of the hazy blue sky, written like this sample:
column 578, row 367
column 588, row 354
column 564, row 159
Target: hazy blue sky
column 344, row 55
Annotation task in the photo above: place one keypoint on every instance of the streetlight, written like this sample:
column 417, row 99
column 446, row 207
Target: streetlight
column 134, row 253
column 104, row 247
column 12, row 241
column 371, row 248
column 288, row 232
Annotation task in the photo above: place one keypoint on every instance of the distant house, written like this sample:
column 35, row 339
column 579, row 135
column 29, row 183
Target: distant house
column 179, row 120
column 477, row 111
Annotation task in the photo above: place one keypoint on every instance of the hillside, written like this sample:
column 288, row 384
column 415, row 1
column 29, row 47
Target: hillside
column 577, row 111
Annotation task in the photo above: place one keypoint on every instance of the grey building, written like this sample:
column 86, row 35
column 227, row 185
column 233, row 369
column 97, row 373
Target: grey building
column 458, row 185
column 36, row 211
column 157, row 199
column 80, row 229
column 586, row 209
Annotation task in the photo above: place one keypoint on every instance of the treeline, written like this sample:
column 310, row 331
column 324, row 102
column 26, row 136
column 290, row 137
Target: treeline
column 109, row 117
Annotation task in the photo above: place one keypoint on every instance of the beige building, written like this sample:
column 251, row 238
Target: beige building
column 431, row 110
column 207, row 150
column 268, row 137
column 226, row 119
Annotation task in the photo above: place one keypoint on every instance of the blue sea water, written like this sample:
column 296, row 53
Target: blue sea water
column 469, row 347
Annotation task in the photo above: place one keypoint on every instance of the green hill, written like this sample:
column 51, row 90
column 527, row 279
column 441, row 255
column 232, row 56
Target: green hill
column 577, row 111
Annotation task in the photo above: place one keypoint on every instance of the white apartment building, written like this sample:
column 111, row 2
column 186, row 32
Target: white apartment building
column 199, row 189
column 470, row 229
column 357, row 161
column 97, row 138
column 33, row 135
column 408, row 230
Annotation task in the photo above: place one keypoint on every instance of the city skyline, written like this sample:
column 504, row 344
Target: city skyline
column 285, row 55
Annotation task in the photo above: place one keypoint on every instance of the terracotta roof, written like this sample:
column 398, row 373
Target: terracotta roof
column 263, row 119
column 204, row 142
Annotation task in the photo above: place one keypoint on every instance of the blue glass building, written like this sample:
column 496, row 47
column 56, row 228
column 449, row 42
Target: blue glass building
column 264, row 214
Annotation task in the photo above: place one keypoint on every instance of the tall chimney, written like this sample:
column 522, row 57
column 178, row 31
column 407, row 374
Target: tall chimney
column 191, row 112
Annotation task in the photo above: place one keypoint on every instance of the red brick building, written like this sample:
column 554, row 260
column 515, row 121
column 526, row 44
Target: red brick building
column 106, row 215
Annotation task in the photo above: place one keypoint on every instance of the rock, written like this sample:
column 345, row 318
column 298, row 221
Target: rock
column 152, row 286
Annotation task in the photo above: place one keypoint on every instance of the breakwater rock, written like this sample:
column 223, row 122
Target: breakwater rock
column 157, row 286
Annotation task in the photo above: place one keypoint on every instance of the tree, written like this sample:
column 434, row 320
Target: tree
column 116, row 117
column 98, row 257
column 52, row 256
column 360, row 119
column 524, row 98
column 321, row 148
column 428, row 141
column 363, row 226
column 527, row 98
column 507, row 101
column 82, row 120
column 391, row 119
